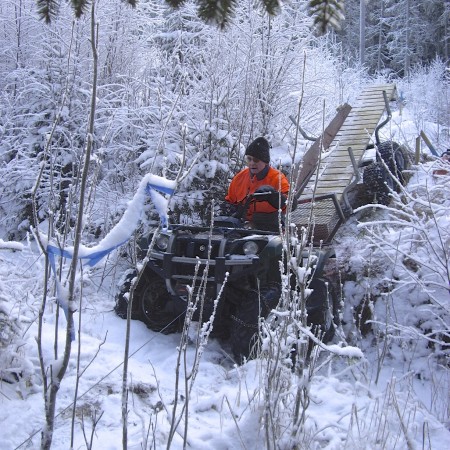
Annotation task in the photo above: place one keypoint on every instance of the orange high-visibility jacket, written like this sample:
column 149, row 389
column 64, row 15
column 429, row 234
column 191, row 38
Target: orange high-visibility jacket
column 243, row 184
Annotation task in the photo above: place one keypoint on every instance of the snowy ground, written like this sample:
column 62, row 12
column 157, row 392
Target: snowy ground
column 347, row 409
column 398, row 398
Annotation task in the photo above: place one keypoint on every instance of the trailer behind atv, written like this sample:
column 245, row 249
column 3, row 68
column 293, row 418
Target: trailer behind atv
column 336, row 169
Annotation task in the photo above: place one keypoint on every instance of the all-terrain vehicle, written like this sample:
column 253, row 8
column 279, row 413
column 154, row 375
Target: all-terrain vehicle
column 230, row 264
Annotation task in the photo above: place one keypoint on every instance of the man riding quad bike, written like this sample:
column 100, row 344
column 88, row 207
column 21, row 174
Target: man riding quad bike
column 228, row 272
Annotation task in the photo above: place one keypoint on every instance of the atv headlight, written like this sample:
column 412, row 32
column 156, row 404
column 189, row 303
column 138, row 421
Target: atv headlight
column 162, row 242
column 250, row 248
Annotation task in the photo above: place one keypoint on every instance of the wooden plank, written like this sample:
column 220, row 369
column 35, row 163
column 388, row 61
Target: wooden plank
column 366, row 113
column 362, row 122
column 338, row 154
column 353, row 134
column 371, row 102
column 368, row 125
column 342, row 154
column 326, row 190
column 390, row 89
column 334, row 180
column 335, row 184
column 312, row 156
column 376, row 94
column 328, row 179
column 337, row 169
column 362, row 110
column 342, row 175
column 355, row 142
column 364, row 101
column 369, row 116
column 372, row 96
column 343, row 162
column 342, row 149
column 340, row 159
column 366, row 128
column 363, row 119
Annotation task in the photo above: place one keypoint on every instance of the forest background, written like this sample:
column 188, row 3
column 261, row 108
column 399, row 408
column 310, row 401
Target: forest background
column 166, row 80
column 169, row 86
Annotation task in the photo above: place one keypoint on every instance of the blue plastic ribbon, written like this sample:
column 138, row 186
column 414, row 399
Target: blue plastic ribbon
column 95, row 257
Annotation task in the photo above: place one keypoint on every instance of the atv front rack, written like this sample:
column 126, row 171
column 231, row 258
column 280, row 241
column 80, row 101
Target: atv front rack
column 196, row 256
column 218, row 267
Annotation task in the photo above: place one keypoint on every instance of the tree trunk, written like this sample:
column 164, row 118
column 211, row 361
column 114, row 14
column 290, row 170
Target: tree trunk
column 56, row 378
column 380, row 36
column 408, row 38
column 362, row 31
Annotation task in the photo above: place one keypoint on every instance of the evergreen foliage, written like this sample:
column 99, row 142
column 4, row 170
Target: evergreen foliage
column 326, row 13
column 399, row 35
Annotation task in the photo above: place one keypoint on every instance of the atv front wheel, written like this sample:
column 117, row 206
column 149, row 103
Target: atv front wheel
column 122, row 297
column 151, row 303
column 244, row 332
column 156, row 305
column 323, row 309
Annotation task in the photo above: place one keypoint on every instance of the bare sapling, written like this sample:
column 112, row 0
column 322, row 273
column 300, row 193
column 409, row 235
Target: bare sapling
column 54, row 373
column 197, row 296
column 140, row 269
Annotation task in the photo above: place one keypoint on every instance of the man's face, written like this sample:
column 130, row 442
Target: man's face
column 254, row 164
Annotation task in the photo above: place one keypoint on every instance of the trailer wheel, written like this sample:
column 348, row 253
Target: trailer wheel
column 385, row 152
column 378, row 182
column 396, row 159
column 373, row 176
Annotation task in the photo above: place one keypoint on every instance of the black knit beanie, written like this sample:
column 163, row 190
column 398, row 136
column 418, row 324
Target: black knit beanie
column 260, row 149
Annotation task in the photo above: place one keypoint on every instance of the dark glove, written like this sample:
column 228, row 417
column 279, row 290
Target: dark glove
column 269, row 194
column 236, row 210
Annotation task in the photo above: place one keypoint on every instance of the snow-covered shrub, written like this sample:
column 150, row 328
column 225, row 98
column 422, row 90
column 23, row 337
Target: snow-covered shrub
column 17, row 312
column 426, row 94
column 10, row 342
column 411, row 296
